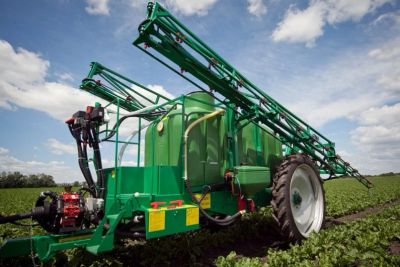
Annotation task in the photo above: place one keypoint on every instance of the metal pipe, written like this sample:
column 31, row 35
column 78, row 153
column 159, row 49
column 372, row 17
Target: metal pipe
column 127, row 142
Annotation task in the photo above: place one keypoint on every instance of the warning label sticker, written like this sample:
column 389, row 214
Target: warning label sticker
column 206, row 202
column 192, row 216
column 156, row 220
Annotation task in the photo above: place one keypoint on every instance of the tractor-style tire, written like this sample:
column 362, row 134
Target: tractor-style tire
column 298, row 199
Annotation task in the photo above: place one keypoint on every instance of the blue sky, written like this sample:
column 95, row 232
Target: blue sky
column 334, row 63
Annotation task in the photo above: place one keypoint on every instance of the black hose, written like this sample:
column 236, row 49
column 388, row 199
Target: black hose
column 15, row 217
column 97, row 161
column 26, row 224
column 223, row 222
column 83, row 165
column 83, row 160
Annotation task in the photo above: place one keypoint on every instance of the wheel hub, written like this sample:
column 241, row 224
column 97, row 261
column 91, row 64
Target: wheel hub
column 296, row 199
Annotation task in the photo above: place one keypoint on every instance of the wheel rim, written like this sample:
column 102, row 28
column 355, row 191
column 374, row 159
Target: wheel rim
column 306, row 200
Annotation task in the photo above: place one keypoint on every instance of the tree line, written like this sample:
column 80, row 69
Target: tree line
column 18, row 180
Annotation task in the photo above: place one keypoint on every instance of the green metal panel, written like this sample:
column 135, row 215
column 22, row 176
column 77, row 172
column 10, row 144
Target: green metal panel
column 149, row 146
column 223, row 202
column 273, row 151
column 247, row 146
column 170, row 180
column 202, row 101
column 131, row 180
column 214, row 156
column 196, row 150
column 15, row 247
column 258, row 147
column 163, row 147
column 252, row 179
column 151, row 174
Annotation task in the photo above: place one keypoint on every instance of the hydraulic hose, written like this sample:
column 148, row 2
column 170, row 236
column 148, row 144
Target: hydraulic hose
column 223, row 222
column 15, row 217
column 227, row 220
column 83, row 159
column 98, row 163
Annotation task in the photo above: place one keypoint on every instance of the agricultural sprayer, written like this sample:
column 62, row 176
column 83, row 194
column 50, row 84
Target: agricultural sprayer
column 209, row 156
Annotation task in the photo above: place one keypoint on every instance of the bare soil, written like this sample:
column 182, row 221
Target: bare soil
column 361, row 214
column 394, row 247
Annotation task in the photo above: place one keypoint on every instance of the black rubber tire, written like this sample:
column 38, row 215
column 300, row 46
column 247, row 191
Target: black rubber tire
column 281, row 195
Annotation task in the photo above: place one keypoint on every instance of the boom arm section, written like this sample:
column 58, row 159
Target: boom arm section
column 132, row 96
column 165, row 34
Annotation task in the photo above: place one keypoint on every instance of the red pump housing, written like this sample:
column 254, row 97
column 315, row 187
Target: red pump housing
column 71, row 209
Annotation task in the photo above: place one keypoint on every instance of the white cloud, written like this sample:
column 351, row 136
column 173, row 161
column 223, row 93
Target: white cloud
column 393, row 17
column 97, row 7
column 301, row 26
column 351, row 87
column 67, row 77
column 347, row 86
column 176, row 7
column 60, row 148
column 378, row 138
column 23, row 83
column 3, row 150
column 158, row 89
column 388, row 54
column 343, row 10
column 256, row 7
column 190, row 7
column 305, row 26
column 184, row 7
column 20, row 67
column 138, row 3
column 385, row 115
column 58, row 169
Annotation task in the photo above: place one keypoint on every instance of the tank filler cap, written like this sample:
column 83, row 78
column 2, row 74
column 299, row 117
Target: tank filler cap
column 160, row 126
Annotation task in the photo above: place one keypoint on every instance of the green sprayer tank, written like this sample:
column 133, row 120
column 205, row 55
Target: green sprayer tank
column 258, row 150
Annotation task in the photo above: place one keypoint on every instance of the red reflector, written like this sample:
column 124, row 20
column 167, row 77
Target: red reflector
column 241, row 203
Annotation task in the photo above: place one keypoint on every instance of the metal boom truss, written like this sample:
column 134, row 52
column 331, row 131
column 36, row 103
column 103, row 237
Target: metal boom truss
column 165, row 34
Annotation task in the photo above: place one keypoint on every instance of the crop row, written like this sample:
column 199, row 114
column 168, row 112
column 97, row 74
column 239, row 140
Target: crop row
column 344, row 196
column 361, row 243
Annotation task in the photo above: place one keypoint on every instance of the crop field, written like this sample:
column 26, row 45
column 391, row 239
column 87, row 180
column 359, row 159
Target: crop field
column 368, row 240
